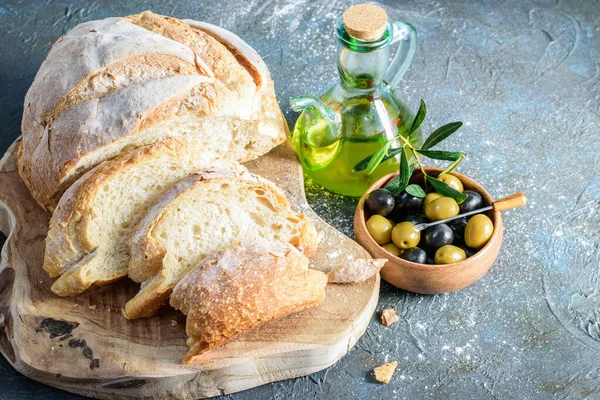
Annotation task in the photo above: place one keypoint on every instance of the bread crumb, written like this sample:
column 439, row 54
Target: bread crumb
column 389, row 317
column 92, row 307
column 173, row 322
column 384, row 372
column 356, row 271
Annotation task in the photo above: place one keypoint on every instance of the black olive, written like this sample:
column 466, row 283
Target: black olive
column 406, row 203
column 468, row 251
column 415, row 254
column 472, row 202
column 422, row 243
column 458, row 227
column 380, row 201
column 415, row 218
column 437, row 236
column 431, row 258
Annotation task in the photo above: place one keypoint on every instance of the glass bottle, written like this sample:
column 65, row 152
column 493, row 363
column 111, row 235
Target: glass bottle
column 354, row 117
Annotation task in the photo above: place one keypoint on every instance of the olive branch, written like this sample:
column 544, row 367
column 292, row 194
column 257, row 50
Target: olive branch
column 408, row 151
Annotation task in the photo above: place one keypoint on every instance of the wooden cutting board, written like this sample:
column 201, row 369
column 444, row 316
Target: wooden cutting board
column 84, row 345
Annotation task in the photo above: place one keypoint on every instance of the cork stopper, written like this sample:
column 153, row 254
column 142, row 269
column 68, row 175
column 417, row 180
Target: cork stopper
column 365, row 22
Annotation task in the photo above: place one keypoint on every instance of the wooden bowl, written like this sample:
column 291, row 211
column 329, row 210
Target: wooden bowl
column 427, row 278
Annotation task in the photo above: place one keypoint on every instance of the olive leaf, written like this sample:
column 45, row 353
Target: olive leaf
column 399, row 183
column 362, row 164
column 440, row 134
column 404, row 170
column 419, row 118
column 405, row 173
column 442, row 154
column 377, row 157
column 393, row 185
column 415, row 190
column 445, row 190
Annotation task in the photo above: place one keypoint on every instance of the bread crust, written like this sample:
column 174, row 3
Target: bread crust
column 149, row 257
column 235, row 290
column 356, row 271
column 129, row 75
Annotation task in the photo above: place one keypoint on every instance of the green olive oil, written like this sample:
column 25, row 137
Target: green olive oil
column 329, row 161
column 338, row 175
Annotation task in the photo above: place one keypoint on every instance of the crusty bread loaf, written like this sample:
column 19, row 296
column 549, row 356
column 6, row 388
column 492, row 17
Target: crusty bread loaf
column 235, row 290
column 136, row 81
column 204, row 213
column 87, row 242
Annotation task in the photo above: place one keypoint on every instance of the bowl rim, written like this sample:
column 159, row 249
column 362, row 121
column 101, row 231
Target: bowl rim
column 467, row 262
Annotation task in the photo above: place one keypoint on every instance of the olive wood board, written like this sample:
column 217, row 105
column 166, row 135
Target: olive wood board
column 84, row 345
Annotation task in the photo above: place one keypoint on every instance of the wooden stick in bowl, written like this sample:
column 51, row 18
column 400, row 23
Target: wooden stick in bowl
column 513, row 201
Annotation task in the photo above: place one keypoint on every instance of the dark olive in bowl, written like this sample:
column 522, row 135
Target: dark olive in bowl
column 472, row 202
column 415, row 218
column 380, row 201
column 406, row 202
column 415, row 254
column 437, row 236
column 458, row 227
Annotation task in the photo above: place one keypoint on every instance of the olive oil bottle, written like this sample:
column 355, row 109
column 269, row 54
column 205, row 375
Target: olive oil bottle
column 353, row 118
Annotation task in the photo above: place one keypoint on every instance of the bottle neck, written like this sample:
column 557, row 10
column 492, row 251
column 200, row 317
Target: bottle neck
column 360, row 70
column 362, row 65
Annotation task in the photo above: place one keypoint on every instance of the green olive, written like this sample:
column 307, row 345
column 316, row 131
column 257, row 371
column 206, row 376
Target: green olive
column 431, row 197
column 478, row 231
column 405, row 236
column 393, row 249
column 449, row 254
column 452, row 181
column 380, row 229
column 442, row 208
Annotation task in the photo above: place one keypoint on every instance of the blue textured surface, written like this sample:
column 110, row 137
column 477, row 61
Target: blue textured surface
column 524, row 76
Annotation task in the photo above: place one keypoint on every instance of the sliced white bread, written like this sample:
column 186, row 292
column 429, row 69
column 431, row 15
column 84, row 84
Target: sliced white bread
column 87, row 242
column 232, row 291
column 135, row 81
column 202, row 214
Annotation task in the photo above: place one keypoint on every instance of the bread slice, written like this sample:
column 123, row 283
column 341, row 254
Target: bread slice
column 87, row 242
column 202, row 214
column 232, row 291
column 139, row 80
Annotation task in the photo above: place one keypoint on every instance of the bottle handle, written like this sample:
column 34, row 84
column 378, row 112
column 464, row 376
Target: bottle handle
column 311, row 104
column 406, row 34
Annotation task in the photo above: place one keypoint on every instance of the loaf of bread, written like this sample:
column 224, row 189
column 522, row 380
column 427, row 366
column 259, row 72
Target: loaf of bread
column 202, row 214
column 121, row 83
column 235, row 290
column 87, row 242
